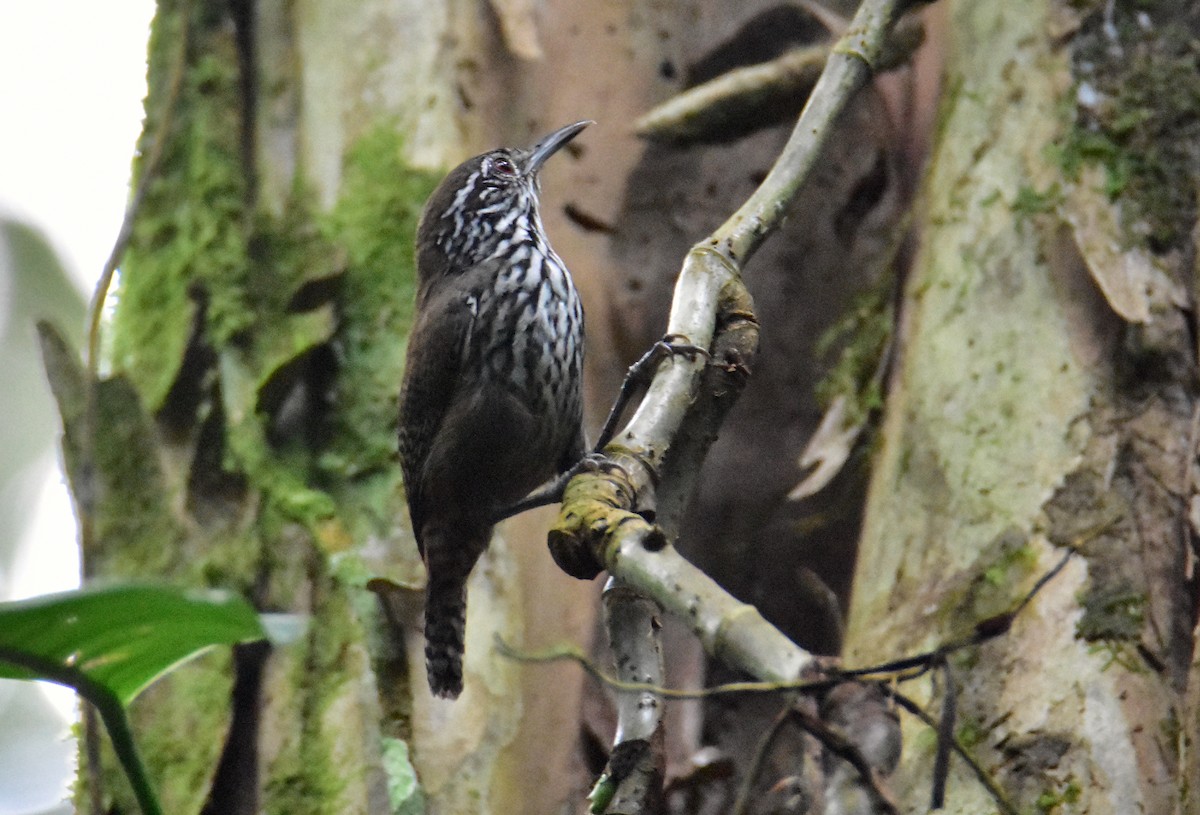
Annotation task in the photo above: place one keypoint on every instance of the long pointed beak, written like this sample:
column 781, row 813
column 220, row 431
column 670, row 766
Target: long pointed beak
column 550, row 144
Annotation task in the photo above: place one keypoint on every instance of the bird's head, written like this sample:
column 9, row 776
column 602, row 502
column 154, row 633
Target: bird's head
column 485, row 205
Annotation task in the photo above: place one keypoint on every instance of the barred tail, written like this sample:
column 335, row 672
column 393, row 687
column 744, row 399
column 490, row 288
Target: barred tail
column 449, row 561
column 445, row 619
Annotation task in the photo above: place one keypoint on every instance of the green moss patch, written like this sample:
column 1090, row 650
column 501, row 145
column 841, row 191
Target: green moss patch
column 860, row 337
column 1112, row 612
column 1009, row 564
column 1137, row 114
column 374, row 223
column 189, row 227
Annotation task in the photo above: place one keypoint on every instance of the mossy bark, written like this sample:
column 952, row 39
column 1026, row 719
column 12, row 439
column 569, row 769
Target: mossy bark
column 1025, row 418
column 244, row 435
column 244, row 428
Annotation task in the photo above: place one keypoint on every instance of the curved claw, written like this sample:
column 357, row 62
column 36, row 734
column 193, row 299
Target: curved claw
column 677, row 344
column 641, row 372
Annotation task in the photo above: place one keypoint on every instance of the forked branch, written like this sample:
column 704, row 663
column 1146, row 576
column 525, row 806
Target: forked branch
column 607, row 516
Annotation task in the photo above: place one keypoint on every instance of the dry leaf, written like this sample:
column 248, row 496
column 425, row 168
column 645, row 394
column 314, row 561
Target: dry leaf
column 1132, row 280
column 828, row 449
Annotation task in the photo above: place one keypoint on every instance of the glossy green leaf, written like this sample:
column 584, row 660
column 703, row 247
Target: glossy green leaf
column 118, row 638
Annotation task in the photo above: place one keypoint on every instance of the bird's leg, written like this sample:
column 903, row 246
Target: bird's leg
column 552, row 492
column 639, row 375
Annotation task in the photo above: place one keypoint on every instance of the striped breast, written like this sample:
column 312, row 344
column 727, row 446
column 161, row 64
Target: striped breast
column 531, row 321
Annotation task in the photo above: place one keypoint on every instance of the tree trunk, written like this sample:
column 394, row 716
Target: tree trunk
column 1044, row 402
column 245, row 437
column 1043, row 398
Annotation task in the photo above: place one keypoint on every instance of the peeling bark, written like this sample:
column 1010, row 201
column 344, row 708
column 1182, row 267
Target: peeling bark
column 1041, row 401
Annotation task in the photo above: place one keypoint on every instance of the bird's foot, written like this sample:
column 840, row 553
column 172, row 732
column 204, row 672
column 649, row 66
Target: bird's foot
column 641, row 373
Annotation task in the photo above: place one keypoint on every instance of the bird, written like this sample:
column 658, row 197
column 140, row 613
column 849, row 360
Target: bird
column 491, row 402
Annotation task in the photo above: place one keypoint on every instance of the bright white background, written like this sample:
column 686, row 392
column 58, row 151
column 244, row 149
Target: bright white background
column 72, row 78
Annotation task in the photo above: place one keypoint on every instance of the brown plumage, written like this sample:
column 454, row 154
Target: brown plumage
column 491, row 403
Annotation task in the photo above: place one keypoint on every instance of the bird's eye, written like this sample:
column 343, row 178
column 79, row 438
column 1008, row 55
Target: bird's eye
column 501, row 165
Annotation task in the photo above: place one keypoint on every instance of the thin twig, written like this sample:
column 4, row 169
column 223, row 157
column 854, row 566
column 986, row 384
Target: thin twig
column 741, row 803
column 984, row 630
column 1006, row 806
column 848, row 751
column 87, row 526
column 574, row 654
column 914, row 666
column 899, row 670
column 1044, row 579
column 941, row 759
column 149, row 169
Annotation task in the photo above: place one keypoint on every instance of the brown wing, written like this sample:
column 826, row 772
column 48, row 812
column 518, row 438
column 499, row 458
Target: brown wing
column 432, row 370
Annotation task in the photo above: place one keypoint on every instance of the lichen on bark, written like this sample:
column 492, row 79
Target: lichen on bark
column 1030, row 407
